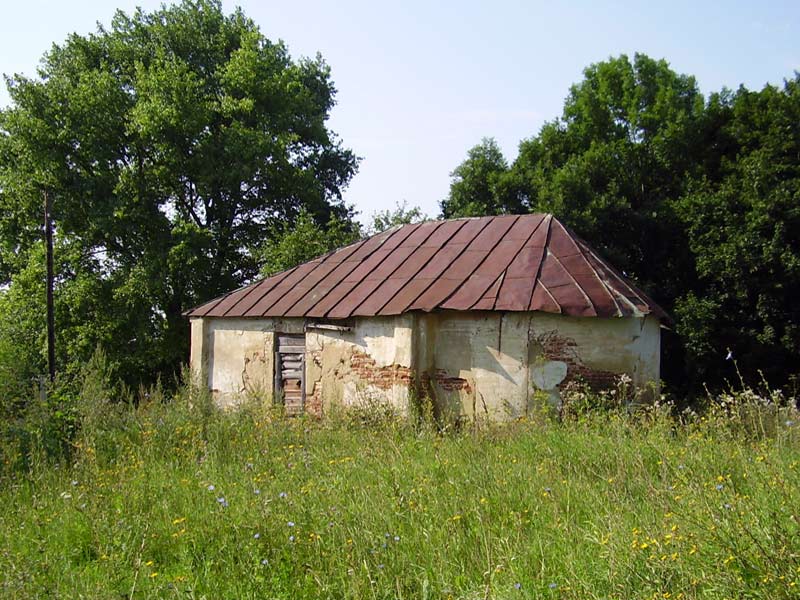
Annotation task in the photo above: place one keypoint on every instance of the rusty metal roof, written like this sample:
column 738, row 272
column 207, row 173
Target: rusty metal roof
column 509, row 263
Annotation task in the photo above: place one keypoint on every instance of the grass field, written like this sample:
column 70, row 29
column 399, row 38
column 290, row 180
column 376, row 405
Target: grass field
column 169, row 500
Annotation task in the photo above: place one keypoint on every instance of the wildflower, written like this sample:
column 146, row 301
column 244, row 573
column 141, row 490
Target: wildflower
column 256, row 536
column 719, row 486
column 380, row 566
column 153, row 574
column 290, row 524
column 282, row 495
column 397, row 538
column 264, row 562
column 789, row 423
column 517, row 586
column 211, row 488
column 222, row 502
column 553, row 586
column 74, row 482
column 248, row 466
column 291, row 538
column 256, row 492
column 681, row 467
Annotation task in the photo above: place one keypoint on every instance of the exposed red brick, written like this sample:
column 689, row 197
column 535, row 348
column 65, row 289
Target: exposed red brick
column 365, row 367
column 564, row 349
column 314, row 400
column 444, row 381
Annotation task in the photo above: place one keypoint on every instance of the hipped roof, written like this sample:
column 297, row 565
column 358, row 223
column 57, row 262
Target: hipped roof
column 503, row 263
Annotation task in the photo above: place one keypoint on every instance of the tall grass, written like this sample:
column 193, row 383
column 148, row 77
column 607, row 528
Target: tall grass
column 161, row 497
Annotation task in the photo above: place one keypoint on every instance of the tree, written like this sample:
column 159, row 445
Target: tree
column 401, row 215
column 743, row 227
column 610, row 166
column 171, row 144
column 304, row 240
column 696, row 201
column 474, row 187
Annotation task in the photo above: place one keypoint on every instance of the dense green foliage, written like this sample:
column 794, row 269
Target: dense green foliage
column 171, row 144
column 697, row 200
column 305, row 240
column 402, row 214
column 172, row 498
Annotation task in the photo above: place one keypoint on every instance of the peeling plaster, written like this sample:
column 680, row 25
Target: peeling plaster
column 476, row 365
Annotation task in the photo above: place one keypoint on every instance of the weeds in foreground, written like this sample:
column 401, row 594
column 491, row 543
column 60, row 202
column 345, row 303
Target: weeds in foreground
column 166, row 497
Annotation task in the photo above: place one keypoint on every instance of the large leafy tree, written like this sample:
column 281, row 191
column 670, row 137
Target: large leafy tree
column 475, row 189
column 171, row 144
column 743, row 226
column 697, row 201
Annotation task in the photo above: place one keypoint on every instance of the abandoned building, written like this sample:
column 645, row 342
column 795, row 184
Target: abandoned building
column 483, row 316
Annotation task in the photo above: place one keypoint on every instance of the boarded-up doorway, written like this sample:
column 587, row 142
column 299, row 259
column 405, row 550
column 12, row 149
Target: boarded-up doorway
column 290, row 372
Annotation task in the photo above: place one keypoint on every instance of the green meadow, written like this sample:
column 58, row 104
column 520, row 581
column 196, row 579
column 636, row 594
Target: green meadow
column 169, row 498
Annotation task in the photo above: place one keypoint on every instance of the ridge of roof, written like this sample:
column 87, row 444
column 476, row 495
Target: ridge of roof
column 530, row 262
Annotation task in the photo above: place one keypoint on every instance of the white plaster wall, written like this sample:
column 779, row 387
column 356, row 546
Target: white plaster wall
column 489, row 351
column 329, row 357
column 198, row 349
column 498, row 357
column 239, row 355
column 621, row 345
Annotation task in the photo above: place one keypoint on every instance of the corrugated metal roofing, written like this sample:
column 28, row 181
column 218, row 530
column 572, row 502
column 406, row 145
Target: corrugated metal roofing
column 509, row 262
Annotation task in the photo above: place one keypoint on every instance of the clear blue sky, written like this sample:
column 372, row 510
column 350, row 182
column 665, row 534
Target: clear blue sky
column 422, row 82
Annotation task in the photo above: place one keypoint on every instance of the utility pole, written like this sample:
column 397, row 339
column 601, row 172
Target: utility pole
column 51, row 322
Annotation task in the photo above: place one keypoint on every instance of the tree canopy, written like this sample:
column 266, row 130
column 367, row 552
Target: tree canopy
column 696, row 200
column 171, row 144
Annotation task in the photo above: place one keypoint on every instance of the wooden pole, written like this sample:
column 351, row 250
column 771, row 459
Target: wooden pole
column 51, row 327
